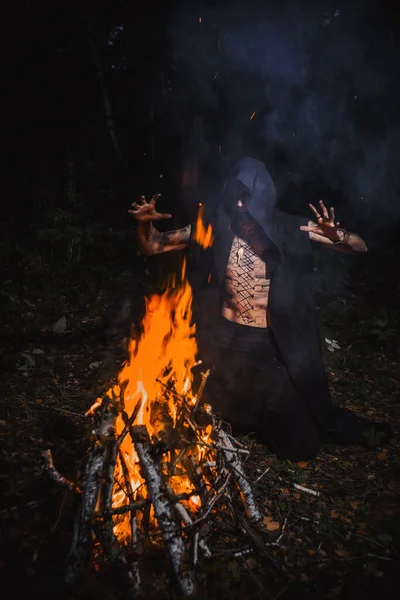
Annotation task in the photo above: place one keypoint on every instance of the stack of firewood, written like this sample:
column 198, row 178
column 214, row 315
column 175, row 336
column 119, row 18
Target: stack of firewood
column 194, row 445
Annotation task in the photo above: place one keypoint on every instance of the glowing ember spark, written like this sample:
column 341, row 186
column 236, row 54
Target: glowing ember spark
column 202, row 235
column 252, row 116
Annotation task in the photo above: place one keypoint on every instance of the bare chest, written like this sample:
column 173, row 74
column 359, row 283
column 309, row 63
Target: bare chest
column 246, row 286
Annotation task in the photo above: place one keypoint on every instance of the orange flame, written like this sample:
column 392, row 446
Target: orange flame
column 203, row 235
column 164, row 355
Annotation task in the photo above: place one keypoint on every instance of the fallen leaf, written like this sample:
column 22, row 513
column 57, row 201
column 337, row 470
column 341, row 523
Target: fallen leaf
column 251, row 563
column 362, row 529
column 273, row 526
column 29, row 362
column 371, row 476
column 39, row 401
column 94, row 365
column 59, row 326
column 267, row 519
column 355, row 504
column 302, row 464
column 335, row 514
column 382, row 455
column 311, row 552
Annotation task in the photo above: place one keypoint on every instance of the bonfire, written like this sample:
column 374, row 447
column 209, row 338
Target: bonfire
column 160, row 465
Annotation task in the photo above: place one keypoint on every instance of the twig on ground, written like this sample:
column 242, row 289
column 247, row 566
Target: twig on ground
column 301, row 488
column 54, row 474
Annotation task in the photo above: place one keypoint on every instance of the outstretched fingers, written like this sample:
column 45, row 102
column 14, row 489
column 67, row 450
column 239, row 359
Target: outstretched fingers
column 315, row 211
column 324, row 210
column 314, row 229
column 154, row 199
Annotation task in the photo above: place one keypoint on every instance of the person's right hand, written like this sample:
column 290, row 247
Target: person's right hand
column 146, row 211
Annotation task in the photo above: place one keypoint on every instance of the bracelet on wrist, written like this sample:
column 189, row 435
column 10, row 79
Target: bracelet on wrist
column 344, row 238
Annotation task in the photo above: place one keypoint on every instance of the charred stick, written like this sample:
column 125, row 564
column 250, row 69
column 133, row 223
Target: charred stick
column 162, row 424
column 176, row 460
column 163, row 510
column 134, row 529
column 235, row 441
column 117, row 559
column 122, row 510
column 237, row 450
column 106, row 490
column 82, row 531
column 204, row 377
column 214, row 499
column 128, row 424
column 52, row 472
column 105, row 530
column 257, row 541
column 188, row 521
column 262, row 475
column 94, row 472
column 195, row 474
column 110, row 480
column 191, row 424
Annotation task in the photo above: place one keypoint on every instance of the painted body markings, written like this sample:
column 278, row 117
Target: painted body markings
column 176, row 239
column 247, row 286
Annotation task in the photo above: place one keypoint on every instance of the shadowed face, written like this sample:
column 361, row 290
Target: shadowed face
column 242, row 197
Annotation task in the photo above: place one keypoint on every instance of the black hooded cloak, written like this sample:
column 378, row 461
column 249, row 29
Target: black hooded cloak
column 291, row 303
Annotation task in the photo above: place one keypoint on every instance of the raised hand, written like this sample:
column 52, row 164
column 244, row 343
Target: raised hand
column 326, row 227
column 146, row 211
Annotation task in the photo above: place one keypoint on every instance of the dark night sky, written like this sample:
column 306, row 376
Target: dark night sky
column 322, row 78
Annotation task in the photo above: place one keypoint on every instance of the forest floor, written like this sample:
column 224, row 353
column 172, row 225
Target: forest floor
column 342, row 543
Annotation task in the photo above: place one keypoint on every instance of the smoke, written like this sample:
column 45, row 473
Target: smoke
column 321, row 79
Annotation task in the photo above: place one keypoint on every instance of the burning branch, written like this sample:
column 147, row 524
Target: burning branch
column 163, row 510
column 160, row 469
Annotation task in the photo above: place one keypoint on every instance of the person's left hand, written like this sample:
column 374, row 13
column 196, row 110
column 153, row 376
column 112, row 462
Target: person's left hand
column 325, row 226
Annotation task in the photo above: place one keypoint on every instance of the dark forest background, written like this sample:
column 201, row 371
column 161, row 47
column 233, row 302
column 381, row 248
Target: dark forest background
column 108, row 103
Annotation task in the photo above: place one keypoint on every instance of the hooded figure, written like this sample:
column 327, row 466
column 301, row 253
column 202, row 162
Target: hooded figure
column 272, row 379
column 255, row 316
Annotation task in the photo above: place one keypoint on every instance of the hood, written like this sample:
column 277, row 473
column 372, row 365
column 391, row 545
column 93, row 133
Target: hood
column 261, row 206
